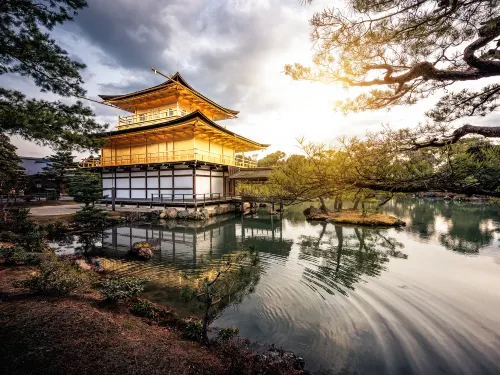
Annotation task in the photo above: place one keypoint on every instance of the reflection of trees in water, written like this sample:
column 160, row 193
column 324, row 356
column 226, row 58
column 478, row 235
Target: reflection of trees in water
column 342, row 259
column 464, row 233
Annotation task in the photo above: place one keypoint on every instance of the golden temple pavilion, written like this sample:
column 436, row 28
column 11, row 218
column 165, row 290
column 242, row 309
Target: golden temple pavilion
column 171, row 147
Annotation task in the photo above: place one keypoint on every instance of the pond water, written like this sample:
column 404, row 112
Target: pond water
column 424, row 299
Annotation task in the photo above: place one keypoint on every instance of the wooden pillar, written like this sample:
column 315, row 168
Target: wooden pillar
column 173, row 181
column 113, row 199
column 146, row 181
column 194, row 180
column 130, row 183
column 159, row 180
column 130, row 152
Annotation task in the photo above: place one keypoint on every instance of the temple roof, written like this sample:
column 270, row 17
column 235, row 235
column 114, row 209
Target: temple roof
column 260, row 174
column 176, row 81
column 197, row 118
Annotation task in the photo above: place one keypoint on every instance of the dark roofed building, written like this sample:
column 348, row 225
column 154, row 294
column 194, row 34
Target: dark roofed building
column 33, row 165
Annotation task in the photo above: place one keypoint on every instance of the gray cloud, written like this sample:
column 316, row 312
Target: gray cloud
column 136, row 35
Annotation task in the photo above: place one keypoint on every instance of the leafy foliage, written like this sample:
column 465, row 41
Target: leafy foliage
column 193, row 330
column 59, row 277
column 150, row 310
column 116, row 289
column 11, row 170
column 91, row 222
column 271, row 159
column 228, row 280
column 16, row 254
column 228, row 333
column 25, row 233
column 26, row 49
column 85, row 187
column 91, row 218
column 384, row 164
column 60, row 165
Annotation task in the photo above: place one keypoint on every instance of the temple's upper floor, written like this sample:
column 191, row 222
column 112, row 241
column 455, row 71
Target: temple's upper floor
column 165, row 102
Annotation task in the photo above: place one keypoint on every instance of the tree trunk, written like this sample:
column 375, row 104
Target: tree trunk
column 384, row 202
column 340, row 204
column 363, row 211
column 204, row 329
column 356, row 203
column 323, row 207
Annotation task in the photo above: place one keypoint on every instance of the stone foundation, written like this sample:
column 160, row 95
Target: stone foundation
column 133, row 213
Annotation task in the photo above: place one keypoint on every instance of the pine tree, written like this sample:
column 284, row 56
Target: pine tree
column 59, row 169
column 26, row 49
column 399, row 52
column 85, row 187
column 11, row 171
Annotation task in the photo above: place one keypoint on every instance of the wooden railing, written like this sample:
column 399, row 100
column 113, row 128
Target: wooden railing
column 169, row 156
column 149, row 118
column 201, row 198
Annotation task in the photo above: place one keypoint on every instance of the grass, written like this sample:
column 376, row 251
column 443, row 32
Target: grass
column 356, row 218
column 67, row 218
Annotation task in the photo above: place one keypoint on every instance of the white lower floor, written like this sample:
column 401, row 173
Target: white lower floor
column 174, row 183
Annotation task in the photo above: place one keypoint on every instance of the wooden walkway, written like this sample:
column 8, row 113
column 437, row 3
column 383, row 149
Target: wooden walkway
column 171, row 202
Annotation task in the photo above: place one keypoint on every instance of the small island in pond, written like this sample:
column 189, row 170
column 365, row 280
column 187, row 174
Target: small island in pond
column 353, row 217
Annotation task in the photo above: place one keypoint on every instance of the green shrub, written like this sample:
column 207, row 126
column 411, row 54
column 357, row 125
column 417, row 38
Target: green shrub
column 59, row 277
column 187, row 293
column 91, row 218
column 17, row 228
column 193, row 330
column 228, row 333
column 19, row 221
column 7, row 236
column 16, row 254
column 32, row 241
column 148, row 309
column 117, row 289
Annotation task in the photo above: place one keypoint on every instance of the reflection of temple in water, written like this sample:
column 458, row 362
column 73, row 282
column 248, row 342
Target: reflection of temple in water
column 183, row 244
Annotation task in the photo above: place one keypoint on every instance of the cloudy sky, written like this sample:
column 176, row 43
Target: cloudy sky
column 232, row 51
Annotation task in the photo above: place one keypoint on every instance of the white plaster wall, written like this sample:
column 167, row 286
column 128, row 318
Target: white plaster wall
column 138, row 183
column 217, row 185
column 107, row 184
column 166, row 182
column 138, row 193
column 122, row 193
column 202, row 185
column 183, row 182
column 152, row 182
column 123, row 183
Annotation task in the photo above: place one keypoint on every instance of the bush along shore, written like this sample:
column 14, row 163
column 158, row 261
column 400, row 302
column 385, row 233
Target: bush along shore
column 63, row 315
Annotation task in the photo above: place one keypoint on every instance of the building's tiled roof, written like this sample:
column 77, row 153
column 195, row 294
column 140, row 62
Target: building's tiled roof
column 190, row 116
column 252, row 174
column 177, row 78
